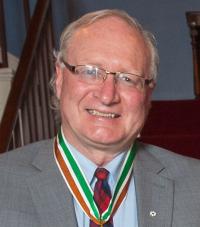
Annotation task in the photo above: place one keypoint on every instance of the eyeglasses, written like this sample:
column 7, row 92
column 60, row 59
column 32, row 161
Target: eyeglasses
column 91, row 74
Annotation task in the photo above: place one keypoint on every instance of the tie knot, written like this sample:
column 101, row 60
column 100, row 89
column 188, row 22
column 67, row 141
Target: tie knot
column 101, row 173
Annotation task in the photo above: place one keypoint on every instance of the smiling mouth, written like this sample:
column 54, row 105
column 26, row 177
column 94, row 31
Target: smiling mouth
column 102, row 114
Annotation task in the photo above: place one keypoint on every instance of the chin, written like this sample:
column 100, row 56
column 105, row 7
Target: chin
column 106, row 139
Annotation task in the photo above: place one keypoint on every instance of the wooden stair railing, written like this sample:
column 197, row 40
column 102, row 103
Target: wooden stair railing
column 27, row 13
column 193, row 20
column 3, row 46
column 27, row 116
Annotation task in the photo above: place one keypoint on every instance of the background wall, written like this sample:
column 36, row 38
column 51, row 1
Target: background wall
column 166, row 19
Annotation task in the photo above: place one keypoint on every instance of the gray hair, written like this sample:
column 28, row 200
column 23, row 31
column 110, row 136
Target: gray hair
column 91, row 18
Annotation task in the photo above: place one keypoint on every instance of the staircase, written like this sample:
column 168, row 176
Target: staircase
column 27, row 116
column 6, row 77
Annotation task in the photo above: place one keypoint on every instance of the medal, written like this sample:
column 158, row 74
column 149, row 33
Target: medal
column 80, row 188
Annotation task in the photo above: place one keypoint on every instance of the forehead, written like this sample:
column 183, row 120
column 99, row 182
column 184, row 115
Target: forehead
column 109, row 36
column 110, row 25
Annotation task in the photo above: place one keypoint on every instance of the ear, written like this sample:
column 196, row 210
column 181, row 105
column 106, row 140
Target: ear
column 58, row 80
column 150, row 88
column 148, row 93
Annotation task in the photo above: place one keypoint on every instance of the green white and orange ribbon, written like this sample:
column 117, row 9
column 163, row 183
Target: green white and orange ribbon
column 79, row 186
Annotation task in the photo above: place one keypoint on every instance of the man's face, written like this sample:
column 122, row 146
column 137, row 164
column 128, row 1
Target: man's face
column 86, row 109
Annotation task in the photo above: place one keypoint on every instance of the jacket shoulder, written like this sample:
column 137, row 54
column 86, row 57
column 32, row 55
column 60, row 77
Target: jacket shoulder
column 178, row 165
column 21, row 158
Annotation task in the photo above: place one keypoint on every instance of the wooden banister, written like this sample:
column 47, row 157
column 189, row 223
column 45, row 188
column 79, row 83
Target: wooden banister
column 27, row 114
column 3, row 46
column 27, row 14
column 193, row 20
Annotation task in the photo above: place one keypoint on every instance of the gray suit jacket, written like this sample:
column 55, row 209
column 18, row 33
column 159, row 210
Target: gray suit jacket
column 33, row 193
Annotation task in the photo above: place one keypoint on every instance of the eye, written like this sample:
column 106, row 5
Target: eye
column 87, row 71
column 130, row 80
column 91, row 71
column 127, row 78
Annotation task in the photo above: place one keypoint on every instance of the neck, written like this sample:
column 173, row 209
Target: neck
column 100, row 158
column 99, row 154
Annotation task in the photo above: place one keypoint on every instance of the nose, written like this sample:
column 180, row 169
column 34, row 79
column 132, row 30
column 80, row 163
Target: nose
column 108, row 92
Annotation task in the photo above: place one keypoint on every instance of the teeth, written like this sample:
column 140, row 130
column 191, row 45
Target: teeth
column 97, row 113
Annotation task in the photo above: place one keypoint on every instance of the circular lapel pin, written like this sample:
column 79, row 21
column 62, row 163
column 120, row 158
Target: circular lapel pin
column 152, row 213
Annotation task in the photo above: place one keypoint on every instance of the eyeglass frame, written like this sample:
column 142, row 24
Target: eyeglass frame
column 72, row 68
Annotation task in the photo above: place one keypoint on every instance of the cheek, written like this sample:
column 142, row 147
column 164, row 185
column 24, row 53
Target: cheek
column 69, row 88
column 134, row 101
column 73, row 93
column 136, row 108
column 66, row 97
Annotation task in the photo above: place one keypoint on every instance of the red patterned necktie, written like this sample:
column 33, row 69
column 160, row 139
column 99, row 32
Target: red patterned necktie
column 102, row 194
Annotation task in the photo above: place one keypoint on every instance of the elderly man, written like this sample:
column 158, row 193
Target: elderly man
column 95, row 173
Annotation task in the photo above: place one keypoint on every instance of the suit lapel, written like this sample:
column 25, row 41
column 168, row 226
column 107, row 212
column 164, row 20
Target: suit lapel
column 154, row 191
column 50, row 194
